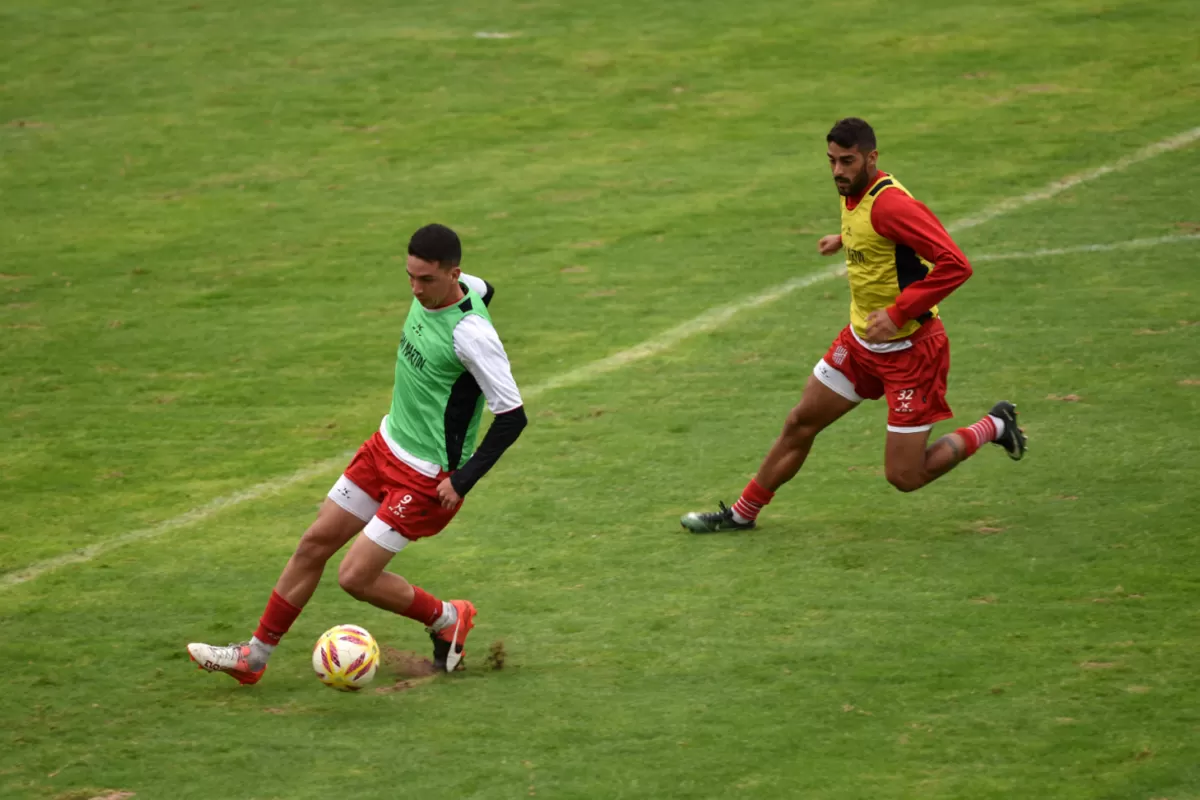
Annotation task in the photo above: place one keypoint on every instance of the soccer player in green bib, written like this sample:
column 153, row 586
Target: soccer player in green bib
column 409, row 479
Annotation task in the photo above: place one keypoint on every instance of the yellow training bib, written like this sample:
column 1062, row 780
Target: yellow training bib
column 878, row 267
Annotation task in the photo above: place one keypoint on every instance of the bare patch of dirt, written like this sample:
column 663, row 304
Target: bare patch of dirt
column 588, row 245
column 1137, row 689
column 1098, row 664
column 1066, row 398
column 406, row 663
column 575, row 269
column 95, row 794
column 1190, row 382
column 1188, row 227
column 496, row 655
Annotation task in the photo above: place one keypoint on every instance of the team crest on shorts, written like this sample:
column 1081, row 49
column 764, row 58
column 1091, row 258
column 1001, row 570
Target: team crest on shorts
column 839, row 355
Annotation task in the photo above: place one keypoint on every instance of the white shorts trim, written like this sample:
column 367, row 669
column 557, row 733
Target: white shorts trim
column 347, row 494
column 386, row 537
column 894, row 346
column 426, row 468
column 836, row 380
column 913, row 429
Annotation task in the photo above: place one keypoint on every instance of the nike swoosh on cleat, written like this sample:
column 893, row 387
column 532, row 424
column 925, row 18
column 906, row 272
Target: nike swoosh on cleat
column 455, row 653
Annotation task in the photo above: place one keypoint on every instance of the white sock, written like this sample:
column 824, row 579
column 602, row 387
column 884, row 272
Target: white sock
column 260, row 651
column 738, row 518
column 449, row 617
column 999, row 426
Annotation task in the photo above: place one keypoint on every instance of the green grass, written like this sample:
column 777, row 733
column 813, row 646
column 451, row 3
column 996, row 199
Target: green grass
column 203, row 209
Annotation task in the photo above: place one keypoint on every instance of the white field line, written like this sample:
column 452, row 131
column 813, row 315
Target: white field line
column 1176, row 142
column 1129, row 244
column 707, row 321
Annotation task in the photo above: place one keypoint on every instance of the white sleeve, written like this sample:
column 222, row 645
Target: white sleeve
column 478, row 284
column 478, row 347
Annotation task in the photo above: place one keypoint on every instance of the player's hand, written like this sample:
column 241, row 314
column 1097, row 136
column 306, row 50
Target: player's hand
column 446, row 494
column 829, row 244
column 880, row 327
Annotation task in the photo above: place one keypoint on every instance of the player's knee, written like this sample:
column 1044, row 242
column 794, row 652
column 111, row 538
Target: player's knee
column 312, row 550
column 905, row 480
column 798, row 428
column 354, row 580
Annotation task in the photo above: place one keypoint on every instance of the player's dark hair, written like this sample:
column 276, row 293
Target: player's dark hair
column 436, row 244
column 853, row 132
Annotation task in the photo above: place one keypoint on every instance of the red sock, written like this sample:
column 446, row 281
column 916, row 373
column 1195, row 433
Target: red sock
column 425, row 607
column 276, row 620
column 978, row 434
column 753, row 498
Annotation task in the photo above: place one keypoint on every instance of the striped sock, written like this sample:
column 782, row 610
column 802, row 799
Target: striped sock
column 753, row 498
column 988, row 429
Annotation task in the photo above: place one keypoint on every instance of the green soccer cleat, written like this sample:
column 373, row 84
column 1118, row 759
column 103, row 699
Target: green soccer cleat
column 713, row 521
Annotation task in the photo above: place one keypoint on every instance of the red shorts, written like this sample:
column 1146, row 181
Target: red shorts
column 914, row 380
column 402, row 498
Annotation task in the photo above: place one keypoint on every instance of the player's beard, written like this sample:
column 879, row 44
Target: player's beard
column 855, row 186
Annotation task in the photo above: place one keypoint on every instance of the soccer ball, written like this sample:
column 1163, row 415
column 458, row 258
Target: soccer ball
column 346, row 657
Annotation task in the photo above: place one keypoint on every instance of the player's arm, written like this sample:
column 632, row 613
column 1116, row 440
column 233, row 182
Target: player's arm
column 479, row 348
column 481, row 287
column 907, row 221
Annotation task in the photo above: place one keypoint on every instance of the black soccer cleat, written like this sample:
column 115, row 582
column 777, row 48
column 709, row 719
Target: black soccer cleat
column 441, row 650
column 1013, row 441
column 713, row 521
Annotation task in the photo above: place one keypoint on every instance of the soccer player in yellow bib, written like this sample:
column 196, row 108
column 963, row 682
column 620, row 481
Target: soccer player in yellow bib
column 901, row 263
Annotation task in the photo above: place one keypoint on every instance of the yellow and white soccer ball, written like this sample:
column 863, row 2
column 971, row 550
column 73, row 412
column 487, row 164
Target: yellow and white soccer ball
column 346, row 657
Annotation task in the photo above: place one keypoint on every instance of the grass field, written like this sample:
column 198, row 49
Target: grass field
column 203, row 212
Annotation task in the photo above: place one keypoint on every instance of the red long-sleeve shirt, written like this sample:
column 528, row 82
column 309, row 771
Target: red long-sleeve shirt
column 909, row 222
